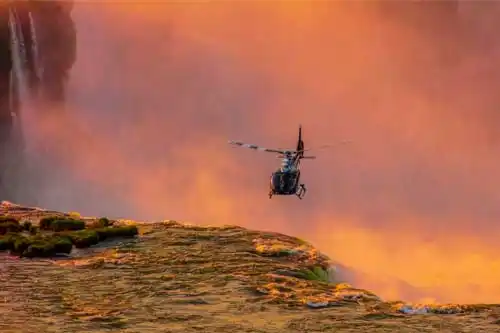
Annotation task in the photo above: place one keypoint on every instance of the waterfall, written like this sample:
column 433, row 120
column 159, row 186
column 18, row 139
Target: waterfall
column 17, row 170
column 19, row 59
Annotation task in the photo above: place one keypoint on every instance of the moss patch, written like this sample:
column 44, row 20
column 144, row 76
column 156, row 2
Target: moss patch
column 83, row 238
column 61, row 224
column 315, row 273
column 110, row 232
column 103, row 222
column 35, row 246
column 56, row 235
column 9, row 224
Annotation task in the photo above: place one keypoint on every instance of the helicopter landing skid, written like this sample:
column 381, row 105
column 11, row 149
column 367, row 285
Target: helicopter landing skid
column 301, row 191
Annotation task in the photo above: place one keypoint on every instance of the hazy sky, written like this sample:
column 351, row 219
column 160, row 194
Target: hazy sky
column 158, row 89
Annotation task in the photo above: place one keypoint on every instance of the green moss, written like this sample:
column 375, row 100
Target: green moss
column 9, row 239
column 9, row 224
column 110, row 232
column 83, row 238
column 33, row 230
column 103, row 222
column 67, row 225
column 62, row 244
column 4, row 244
column 47, row 221
column 62, row 240
column 316, row 273
column 47, row 246
column 39, row 248
column 6, row 218
column 61, row 224
column 26, row 225
column 19, row 244
column 35, row 246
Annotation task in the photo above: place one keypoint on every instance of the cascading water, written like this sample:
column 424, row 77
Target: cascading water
column 22, row 107
column 37, row 49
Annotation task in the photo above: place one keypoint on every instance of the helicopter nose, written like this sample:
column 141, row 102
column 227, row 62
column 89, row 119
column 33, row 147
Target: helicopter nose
column 271, row 182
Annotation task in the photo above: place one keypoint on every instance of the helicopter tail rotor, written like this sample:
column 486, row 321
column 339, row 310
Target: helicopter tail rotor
column 300, row 143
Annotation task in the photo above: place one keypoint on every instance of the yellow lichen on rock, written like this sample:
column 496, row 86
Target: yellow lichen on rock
column 276, row 247
column 75, row 215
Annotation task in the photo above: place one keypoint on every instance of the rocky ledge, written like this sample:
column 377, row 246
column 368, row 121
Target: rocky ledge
column 178, row 277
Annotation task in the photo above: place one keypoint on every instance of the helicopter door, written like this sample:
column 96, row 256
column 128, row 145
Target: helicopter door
column 277, row 181
column 291, row 181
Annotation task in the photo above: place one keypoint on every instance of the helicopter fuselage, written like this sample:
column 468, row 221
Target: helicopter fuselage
column 286, row 180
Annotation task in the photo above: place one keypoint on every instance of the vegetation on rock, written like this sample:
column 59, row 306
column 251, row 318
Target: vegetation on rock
column 103, row 222
column 109, row 232
column 9, row 224
column 61, row 224
column 199, row 271
column 83, row 238
column 56, row 235
column 35, row 246
column 26, row 225
column 315, row 273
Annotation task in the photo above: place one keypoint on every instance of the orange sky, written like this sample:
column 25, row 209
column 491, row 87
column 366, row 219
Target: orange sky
column 158, row 89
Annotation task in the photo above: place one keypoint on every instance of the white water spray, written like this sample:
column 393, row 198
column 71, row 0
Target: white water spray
column 18, row 170
column 19, row 74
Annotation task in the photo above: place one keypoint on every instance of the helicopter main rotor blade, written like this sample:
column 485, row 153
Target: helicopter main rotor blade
column 342, row 142
column 326, row 146
column 255, row 147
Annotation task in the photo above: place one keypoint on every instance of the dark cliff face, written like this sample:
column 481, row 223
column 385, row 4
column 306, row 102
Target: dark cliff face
column 5, row 68
column 48, row 50
column 56, row 40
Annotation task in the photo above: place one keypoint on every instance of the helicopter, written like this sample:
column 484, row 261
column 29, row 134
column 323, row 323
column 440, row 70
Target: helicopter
column 286, row 179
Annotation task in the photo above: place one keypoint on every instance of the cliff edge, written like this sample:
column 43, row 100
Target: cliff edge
column 177, row 277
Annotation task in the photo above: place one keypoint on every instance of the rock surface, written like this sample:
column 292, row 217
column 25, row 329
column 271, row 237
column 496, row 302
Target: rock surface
column 177, row 277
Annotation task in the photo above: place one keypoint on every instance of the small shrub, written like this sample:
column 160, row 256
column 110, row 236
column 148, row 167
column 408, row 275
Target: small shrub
column 62, row 244
column 4, row 244
column 7, row 227
column 33, row 230
column 35, row 246
column 56, row 223
column 8, row 240
column 67, row 225
column 39, row 248
column 26, row 225
column 314, row 274
column 6, row 218
column 83, row 238
column 46, row 222
column 9, row 224
column 110, row 232
column 103, row 222
column 20, row 244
